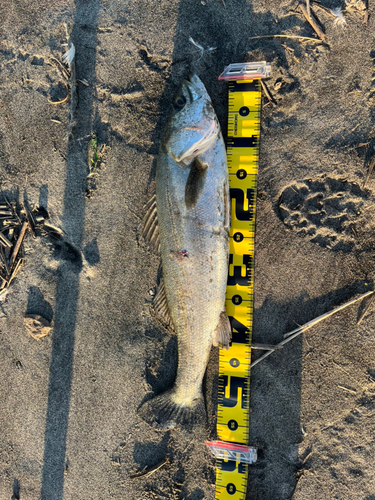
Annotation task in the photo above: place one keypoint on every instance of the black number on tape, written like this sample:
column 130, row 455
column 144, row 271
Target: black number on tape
column 239, row 196
column 235, row 384
column 244, row 111
column 240, row 333
column 237, row 278
column 237, row 299
column 231, row 489
column 243, row 142
column 232, row 425
column 238, row 237
column 234, row 362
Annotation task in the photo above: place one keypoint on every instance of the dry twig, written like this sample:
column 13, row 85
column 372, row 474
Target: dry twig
column 295, row 333
column 64, row 71
column 264, row 347
column 13, row 230
column 30, row 219
column 367, row 307
column 15, row 271
column 323, row 7
column 370, row 169
column 346, row 389
column 265, row 90
column 286, row 36
column 150, row 470
column 63, row 100
column 308, row 8
column 4, row 240
column 4, row 260
column 18, row 244
column 311, row 19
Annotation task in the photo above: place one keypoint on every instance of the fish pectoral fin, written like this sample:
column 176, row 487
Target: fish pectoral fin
column 160, row 304
column 223, row 332
column 195, row 183
column 150, row 231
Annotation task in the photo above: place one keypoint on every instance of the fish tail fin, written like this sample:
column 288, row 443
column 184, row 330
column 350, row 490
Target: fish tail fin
column 163, row 412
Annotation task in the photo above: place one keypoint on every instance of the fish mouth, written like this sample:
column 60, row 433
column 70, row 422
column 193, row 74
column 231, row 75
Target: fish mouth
column 194, row 92
column 197, row 83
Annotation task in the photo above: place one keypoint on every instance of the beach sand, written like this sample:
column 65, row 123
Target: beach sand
column 69, row 427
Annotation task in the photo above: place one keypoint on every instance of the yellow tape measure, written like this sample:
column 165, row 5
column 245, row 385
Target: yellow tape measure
column 234, row 364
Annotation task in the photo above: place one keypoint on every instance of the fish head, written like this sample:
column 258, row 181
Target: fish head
column 193, row 124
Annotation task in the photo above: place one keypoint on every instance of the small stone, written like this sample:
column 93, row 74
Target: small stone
column 36, row 326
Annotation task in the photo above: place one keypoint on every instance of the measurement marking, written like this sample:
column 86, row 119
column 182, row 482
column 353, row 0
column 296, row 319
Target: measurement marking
column 242, row 154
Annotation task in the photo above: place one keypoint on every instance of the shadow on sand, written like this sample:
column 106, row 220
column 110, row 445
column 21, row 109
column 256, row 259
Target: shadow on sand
column 84, row 37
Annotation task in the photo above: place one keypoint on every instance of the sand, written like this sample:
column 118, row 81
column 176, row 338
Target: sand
column 68, row 412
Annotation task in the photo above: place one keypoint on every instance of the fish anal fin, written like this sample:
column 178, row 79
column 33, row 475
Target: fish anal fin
column 150, row 231
column 160, row 304
column 195, row 183
column 223, row 332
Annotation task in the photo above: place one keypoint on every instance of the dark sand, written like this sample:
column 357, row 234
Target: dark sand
column 68, row 416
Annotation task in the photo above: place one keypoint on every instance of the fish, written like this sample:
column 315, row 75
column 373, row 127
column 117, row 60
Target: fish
column 187, row 222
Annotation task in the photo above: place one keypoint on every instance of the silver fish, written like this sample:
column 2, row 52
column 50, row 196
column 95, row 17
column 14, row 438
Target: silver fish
column 188, row 222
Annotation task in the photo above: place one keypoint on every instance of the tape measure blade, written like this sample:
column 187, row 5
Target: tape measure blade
column 231, row 480
column 244, row 106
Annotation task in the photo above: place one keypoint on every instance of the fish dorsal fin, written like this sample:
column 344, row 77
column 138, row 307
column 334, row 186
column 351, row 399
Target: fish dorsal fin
column 195, row 183
column 223, row 332
column 160, row 304
column 150, row 232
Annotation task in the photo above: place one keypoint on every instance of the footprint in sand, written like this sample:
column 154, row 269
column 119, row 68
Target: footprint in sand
column 325, row 209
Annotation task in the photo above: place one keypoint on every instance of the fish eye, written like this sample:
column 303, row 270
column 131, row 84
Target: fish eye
column 179, row 102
